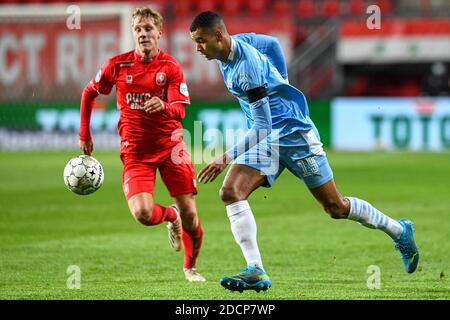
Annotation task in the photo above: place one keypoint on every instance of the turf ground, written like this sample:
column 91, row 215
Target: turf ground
column 44, row 229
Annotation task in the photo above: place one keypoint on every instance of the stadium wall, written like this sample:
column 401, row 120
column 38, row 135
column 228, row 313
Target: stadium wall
column 54, row 125
column 346, row 124
column 391, row 124
column 45, row 57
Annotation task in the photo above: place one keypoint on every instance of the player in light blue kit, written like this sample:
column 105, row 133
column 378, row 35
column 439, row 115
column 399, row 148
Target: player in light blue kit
column 281, row 135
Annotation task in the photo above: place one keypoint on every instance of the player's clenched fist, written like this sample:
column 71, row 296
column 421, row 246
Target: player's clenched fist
column 154, row 104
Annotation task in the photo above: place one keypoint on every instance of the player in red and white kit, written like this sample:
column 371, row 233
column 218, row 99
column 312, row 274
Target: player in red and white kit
column 151, row 96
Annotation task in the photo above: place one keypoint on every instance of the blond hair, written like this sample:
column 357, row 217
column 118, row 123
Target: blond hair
column 146, row 12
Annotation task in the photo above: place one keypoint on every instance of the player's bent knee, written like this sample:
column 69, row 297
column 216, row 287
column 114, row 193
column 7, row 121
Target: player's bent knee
column 189, row 215
column 143, row 214
column 229, row 194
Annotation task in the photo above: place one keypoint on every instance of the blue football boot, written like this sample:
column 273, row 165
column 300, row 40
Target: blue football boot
column 407, row 247
column 250, row 278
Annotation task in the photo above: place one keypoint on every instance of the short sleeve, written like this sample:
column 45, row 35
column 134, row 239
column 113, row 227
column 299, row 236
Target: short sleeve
column 250, row 75
column 177, row 91
column 104, row 79
column 269, row 46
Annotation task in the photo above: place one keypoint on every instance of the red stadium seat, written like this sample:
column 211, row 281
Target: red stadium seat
column 386, row 6
column 181, row 8
column 358, row 87
column 206, row 5
column 357, row 7
column 231, row 7
column 281, row 8
column 306, row 9
column 300, row 35
column 411, row 88
column 331, row 8
column 256, row 7
column 160, row 4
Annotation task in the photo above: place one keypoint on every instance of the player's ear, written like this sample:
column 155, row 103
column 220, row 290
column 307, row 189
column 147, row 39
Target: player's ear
column 219, row 35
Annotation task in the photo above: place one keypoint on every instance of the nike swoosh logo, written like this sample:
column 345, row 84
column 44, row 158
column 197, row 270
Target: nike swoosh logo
column 412, row 258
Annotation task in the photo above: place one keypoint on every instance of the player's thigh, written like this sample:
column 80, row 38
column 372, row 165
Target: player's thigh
column 314, row 170
column 317, row 175
column 240, row 181
column 138, row 176
column 259, row 166
column 179, row 178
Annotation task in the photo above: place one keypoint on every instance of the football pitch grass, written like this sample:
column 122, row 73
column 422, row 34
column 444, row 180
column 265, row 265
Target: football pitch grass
column 45, row 229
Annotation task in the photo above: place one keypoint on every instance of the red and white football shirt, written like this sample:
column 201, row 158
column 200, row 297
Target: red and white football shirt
column 136, row 81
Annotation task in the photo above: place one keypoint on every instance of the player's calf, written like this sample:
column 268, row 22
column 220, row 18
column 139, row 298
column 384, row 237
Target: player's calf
column 336, row 210
column 189, row 218
column 331, row 200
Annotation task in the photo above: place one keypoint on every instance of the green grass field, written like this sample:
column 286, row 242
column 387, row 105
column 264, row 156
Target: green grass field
column 44, row 229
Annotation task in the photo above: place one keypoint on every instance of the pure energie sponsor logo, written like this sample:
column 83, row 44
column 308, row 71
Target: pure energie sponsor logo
column 136, row 100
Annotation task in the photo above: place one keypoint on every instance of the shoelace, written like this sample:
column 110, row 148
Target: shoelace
column 249, row 269
column 176, row 227
column 194, row 272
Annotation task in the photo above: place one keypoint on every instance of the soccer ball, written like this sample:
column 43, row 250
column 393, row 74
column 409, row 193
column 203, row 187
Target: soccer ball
column 83, row 175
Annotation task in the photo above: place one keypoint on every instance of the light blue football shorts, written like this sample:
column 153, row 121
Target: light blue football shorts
column 306, row 159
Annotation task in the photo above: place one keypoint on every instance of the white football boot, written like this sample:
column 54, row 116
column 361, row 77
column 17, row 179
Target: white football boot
column 192, row 275
column 174, row 230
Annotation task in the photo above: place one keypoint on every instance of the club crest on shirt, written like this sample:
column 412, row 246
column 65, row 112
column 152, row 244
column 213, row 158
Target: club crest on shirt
column 129, row 78
column 229, row 83
column 184, row 89
column 98, row 75
column 161, row 78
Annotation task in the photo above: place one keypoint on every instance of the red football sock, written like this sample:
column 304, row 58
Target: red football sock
column 192, row 241
column 161, row 214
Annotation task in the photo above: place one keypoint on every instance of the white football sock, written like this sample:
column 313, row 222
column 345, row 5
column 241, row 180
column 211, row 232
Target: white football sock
column 367, row 215
column 243, row 227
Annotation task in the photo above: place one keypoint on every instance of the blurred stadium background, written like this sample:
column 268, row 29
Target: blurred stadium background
column 372, row 85
column 332, row 47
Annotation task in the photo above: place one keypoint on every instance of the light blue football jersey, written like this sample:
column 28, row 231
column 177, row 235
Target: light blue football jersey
column 246, row 69
column 269, row 46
